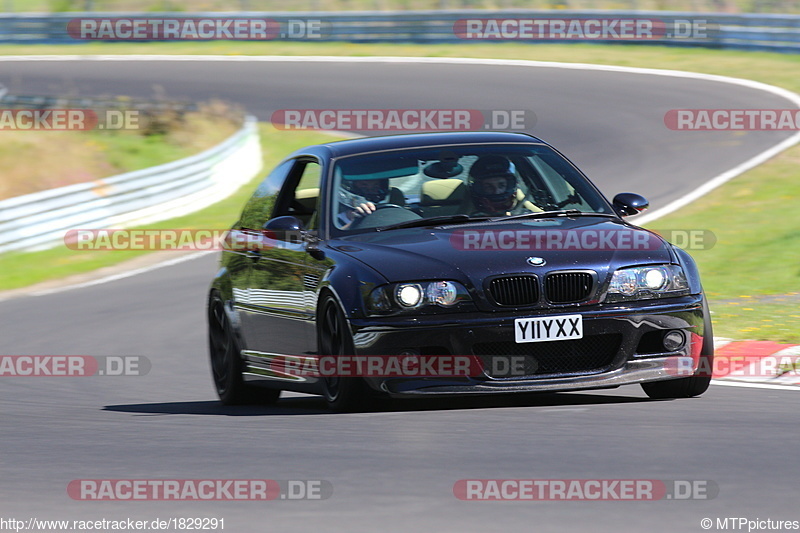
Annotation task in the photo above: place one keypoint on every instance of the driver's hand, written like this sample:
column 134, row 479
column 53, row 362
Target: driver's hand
column 364, row 209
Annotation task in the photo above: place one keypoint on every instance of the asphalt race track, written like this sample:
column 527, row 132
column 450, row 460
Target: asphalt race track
column 393, row 469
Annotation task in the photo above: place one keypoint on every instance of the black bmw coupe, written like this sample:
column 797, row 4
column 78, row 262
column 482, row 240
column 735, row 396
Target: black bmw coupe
column 449, row 264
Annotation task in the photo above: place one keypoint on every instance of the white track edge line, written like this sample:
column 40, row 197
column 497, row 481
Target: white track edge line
column 123, row 275
column 754, row 385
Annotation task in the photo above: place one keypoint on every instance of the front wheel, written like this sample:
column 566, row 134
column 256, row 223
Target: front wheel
column 334, row 339
column 226, row 361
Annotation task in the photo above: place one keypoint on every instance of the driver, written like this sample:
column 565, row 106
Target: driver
column 493, row 187
column 369, row 192
column 373, row 191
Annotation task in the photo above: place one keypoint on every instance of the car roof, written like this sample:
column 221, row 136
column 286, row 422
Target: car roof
column 414, row 140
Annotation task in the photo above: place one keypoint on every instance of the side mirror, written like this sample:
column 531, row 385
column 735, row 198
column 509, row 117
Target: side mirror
column 285, row 228
column 628, row 203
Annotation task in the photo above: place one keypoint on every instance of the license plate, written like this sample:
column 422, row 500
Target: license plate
column 551, row 328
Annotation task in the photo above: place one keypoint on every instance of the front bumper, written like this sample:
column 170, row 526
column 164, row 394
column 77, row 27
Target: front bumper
column 634, row 357
column 641, row 371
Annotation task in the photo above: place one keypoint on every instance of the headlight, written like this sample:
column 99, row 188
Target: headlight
column 399, row 296
column 409, row 295
column 639, row 283
column 444, row 293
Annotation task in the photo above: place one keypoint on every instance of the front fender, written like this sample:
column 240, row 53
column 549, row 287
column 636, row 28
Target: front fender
column 690, row 268
column 339, row 279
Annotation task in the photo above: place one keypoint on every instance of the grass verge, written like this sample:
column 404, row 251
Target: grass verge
column 757, row 227
column 753, row 217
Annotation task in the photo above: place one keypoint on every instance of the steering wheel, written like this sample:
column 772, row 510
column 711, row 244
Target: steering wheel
column 381, row 217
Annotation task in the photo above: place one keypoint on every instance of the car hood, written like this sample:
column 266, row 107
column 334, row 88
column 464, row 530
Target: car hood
column 471, row 252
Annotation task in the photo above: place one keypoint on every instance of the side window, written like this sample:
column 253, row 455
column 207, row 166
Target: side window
column 568, row 188
column 257, row 210
column 302, row 199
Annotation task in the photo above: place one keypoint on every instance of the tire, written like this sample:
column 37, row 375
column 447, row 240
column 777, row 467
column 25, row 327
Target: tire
column 343, row 394
column 226, row 361
column 694, row 385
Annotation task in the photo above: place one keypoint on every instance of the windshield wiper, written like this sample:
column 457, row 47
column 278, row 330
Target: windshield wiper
column 462, row 218
column 560, row 213
column 433, row 221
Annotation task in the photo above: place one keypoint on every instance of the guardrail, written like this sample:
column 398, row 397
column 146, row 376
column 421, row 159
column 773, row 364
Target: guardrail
column 40, row 220
column 12, row 101
column 745, row 31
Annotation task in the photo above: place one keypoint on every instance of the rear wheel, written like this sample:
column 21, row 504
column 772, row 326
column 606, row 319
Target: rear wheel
column 334, row 338
column 226, row 361
column 694, row 385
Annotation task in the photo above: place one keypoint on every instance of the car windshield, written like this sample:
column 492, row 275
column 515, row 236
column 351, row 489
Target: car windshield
column 456, row 184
